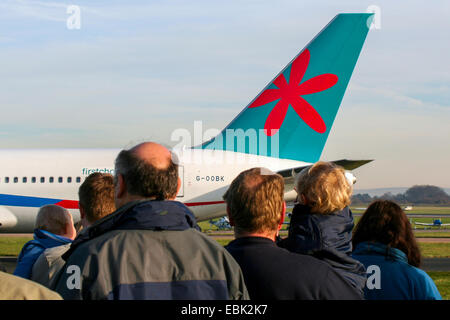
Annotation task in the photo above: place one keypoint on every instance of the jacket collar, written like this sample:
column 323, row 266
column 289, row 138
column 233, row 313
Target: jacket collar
column 376, row 248
column 157, row 215
column 250, row 240
column 140, row 215
column 48, row 239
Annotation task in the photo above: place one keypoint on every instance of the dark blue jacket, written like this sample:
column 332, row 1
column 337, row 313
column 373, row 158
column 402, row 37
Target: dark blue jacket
column 34, row 248
column 327, row 237
column 390, row 277
column 274, row 273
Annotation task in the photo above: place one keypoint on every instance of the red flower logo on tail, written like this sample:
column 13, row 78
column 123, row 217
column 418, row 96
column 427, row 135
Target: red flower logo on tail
column 290, row 94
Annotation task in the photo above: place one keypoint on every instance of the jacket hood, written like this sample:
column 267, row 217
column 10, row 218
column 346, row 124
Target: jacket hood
column 48, row 239
column 326, row 237
column 156, row 215
column 376, row 248
column 315, row 232
column 140, row 215
column 43, row 240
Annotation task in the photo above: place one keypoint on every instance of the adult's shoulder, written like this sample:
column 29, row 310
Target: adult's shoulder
column 55, row 252
column 209, row 247
column 317, row 275
column 309, row 264
column 302, row 258
column 90, row 249
column 17, row 288
column 420, row 275
column 205, row 241
column 32, row 247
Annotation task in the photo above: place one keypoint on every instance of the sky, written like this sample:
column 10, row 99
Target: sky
column 139, row 70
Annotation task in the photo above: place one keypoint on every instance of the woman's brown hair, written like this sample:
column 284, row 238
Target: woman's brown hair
column 385, row 222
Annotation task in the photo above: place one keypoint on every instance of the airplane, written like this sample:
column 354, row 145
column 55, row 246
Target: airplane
column 436, row 223
column 284, row 129
column 221, row 224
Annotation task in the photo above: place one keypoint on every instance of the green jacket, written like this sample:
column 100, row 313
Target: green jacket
column 149, row 250
column 17, row 288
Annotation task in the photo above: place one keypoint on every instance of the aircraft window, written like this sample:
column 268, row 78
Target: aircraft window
column 33, row 179
column 60, row 179
column 50, row 179
column 69, row 179
column 78, row 179
column 16, row 179
column 42, row 179
column 6, row 179
column 24, row 179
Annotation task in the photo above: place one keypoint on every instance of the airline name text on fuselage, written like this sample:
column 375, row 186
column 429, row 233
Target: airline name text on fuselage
column 88, row 171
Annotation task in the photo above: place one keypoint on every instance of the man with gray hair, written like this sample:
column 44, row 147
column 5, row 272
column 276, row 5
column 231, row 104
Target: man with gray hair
column 53, row 227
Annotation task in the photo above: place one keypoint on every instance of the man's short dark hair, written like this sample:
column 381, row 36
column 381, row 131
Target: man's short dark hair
column 145, row 180
column 96, row 195
column 255, row 201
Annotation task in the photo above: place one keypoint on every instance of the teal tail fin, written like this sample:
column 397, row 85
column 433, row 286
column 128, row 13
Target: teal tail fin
column 293, row 115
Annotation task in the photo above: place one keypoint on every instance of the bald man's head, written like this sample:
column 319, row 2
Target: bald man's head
column 154, row 154
column 147, row 170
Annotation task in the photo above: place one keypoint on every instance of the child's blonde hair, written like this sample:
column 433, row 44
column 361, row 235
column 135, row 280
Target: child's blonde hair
column 325, row 187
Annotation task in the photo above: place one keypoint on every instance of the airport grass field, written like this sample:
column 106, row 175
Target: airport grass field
column 425, row 210
column 11, row 246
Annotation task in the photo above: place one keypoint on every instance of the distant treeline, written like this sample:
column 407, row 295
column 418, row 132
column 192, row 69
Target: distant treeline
column 414, row 195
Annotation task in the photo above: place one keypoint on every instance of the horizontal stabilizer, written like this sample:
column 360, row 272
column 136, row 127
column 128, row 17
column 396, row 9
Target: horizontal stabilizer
column 351, row 164
column 289, row 174
column 346, row 164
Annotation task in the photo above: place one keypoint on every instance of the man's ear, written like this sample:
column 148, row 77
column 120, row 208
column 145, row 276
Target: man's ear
column 178, row 186
column 304, row 199
column 283, row 216
column 120, row 188
column 83, row 221
column 69, row 229
column 230, row 219
column 82, row 212
column 178, row 189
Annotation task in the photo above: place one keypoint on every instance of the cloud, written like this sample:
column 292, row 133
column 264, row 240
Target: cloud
column 49, row 11
column 404, row 100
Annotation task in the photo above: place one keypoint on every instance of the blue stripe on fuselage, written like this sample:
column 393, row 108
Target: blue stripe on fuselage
column 25, row 201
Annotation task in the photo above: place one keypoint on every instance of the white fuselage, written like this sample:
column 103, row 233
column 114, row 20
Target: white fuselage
column 32, row 178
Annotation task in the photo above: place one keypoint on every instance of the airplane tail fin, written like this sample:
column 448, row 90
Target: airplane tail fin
column 292, row 116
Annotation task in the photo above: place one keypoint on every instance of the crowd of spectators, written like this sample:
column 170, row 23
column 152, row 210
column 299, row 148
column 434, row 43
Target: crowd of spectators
column 137, row 242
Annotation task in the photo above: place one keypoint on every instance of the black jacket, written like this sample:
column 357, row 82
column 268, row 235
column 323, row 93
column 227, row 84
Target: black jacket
column 327, row 237
column 274, row 273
